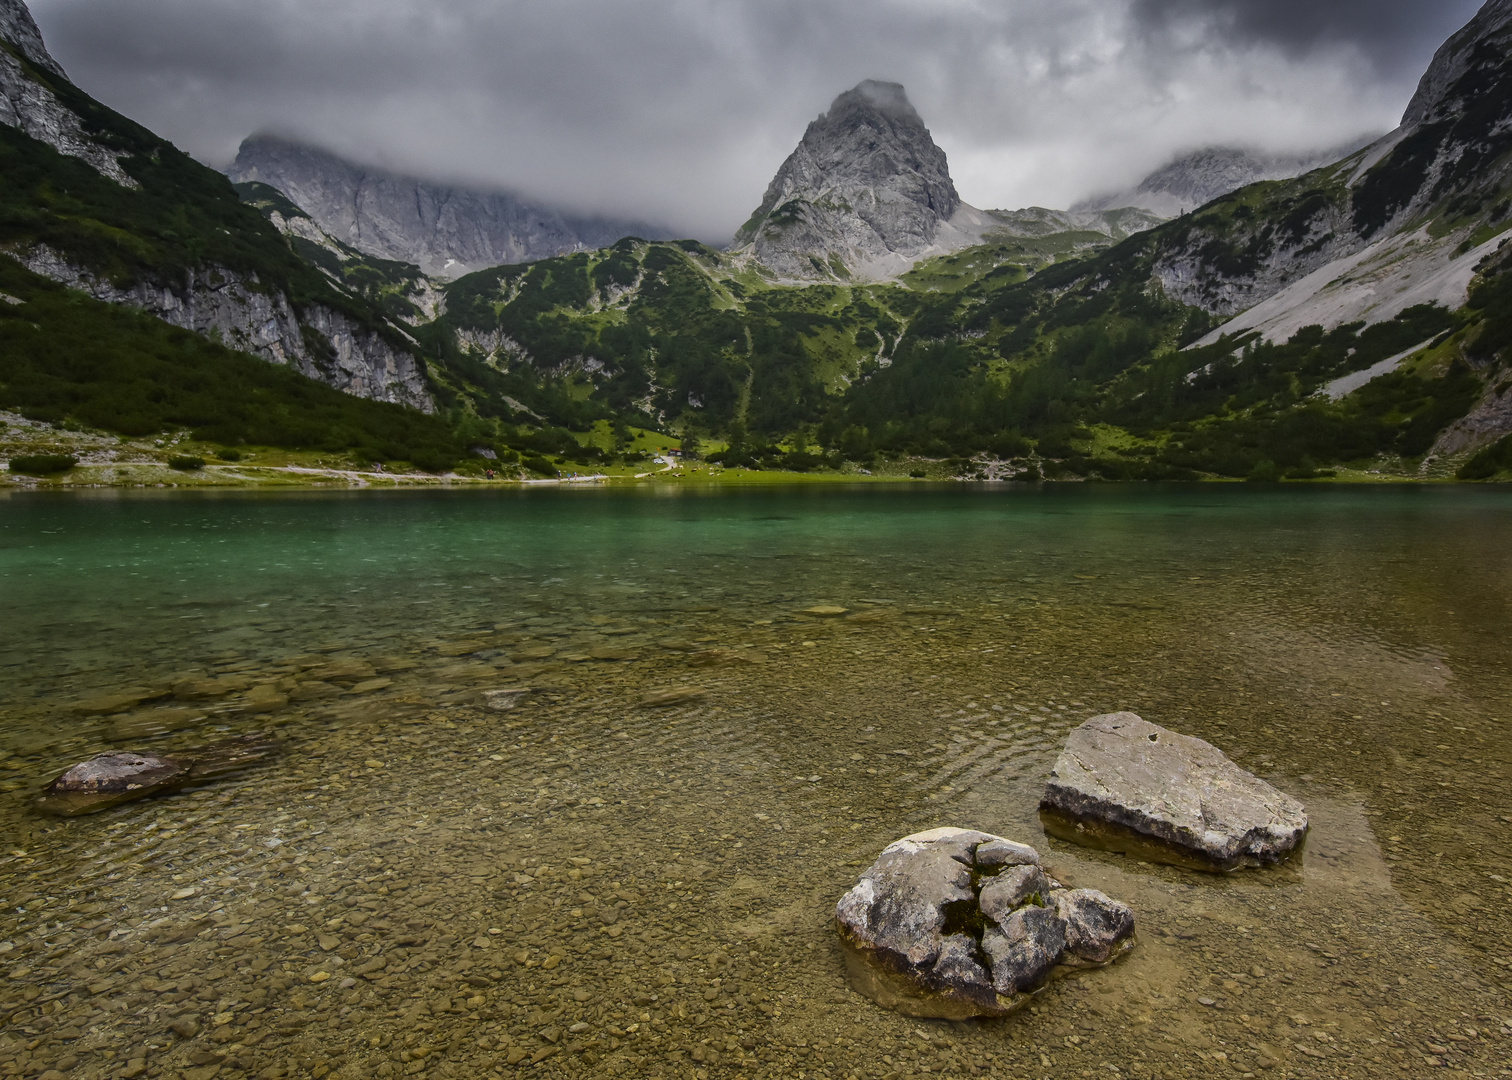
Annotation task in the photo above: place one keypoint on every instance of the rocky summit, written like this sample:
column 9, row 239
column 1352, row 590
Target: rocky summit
column 866, row 193
column 19, row 28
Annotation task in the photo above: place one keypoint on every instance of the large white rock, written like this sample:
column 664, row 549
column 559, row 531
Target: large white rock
column 1124, row 784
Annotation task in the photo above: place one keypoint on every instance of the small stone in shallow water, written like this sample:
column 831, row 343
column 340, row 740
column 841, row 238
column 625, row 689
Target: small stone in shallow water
column 505, row 698
column 671, row 695
column 111, row 779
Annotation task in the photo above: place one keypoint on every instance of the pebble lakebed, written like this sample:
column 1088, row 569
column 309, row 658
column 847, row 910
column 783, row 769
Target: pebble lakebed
column 585, row 886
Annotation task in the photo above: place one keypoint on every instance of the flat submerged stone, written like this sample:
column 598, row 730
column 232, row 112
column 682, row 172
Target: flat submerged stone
column 955, row 923
column 121, row 776
column 1124, row 784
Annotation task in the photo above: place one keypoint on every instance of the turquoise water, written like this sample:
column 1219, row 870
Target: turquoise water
column 586, row 885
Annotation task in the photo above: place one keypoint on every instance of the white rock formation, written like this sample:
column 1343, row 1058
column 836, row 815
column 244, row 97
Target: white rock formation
column 19, row 28
column 32, row 107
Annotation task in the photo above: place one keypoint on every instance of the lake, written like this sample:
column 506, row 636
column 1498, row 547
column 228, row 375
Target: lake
column 633, row 870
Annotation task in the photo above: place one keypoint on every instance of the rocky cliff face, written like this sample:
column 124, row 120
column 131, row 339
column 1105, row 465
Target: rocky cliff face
column 446, row 231
column 226, row 306
column 866, row 193
column 1456, row 135
column 34, row 108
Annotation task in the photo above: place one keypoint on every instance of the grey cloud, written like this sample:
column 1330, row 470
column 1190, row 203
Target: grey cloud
column 681, row 110
column 1389, row 32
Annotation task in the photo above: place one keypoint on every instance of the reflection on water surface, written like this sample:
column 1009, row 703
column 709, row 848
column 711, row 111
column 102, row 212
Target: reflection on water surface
column 583, row 886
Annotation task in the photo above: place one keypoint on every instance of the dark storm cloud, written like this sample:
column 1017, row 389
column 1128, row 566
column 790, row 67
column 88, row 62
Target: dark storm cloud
column 681, row 110
column 1390, row 32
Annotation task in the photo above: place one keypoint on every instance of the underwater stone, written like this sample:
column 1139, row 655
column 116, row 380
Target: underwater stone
column 111, row 779
column 942, row 925
column 107, row 780
column 505, row 698
column 1094, row 923
column 1124, row 784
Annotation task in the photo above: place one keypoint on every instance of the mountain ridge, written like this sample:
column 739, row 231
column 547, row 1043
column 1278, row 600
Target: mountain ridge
column 446, row 230
column 1020, row 344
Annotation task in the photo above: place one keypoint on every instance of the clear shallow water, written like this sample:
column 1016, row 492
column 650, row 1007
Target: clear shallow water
column 584, row 886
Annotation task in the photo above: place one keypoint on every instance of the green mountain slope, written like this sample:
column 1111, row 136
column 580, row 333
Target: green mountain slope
column 68, row 359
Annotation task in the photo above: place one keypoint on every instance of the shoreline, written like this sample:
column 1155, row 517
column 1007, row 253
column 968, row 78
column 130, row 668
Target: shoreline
column 231, row 477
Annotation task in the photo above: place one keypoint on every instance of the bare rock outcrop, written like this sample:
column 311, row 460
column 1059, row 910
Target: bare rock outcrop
column 19, row 28
column 32, row 107
column 955, row 923
column 1124, row 784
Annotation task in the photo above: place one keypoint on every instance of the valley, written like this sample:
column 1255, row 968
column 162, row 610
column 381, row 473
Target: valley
column 864, row 321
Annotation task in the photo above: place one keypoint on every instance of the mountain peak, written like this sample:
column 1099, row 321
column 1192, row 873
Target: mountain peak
column 19, row 28
column 864, row 194
column 1455, row 59
column 887, row 97
column 1195, row 179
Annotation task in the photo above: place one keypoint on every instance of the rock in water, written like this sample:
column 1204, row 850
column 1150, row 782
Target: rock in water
column 955, row 923
column 505, row 698
column 107, row 780
column 1123, row 784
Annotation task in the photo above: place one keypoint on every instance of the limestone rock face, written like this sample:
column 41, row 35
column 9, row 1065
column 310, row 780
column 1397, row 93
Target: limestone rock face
column 446, row 231
column 866, row 187
column 1442, row 93
column 1124, row 784
column 220, row 302
column 955, row 923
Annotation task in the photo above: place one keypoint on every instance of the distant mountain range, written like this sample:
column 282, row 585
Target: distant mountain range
column 1194, row 180
column 447, row 231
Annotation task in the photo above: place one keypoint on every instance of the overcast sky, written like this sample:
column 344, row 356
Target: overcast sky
column 680, row 111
